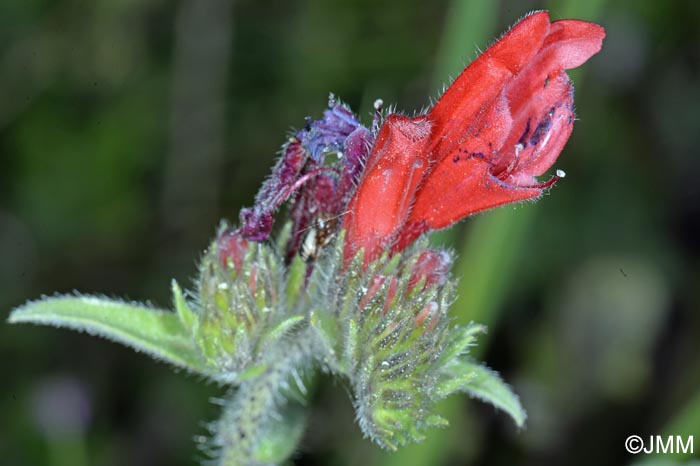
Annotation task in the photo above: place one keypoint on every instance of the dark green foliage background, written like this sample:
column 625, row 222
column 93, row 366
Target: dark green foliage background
column 128, row 129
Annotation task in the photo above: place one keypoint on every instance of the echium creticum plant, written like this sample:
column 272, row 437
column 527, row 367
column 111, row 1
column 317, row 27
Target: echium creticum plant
column 349, row 285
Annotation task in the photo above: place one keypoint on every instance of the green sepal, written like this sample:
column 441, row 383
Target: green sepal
column 295, row 281
column 251, row 372
column 283, row 238
column 351, row 336
column 328, row 333
column 187, row 317
column 459, row 340
column 280, row 330
column 158, row 333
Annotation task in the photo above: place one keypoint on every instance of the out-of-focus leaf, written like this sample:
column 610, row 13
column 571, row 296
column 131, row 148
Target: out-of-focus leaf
column 656, row 461
column 486, row 264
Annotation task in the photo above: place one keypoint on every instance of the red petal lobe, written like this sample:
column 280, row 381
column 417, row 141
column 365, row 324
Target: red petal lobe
column 482, row 81
column 395, row 168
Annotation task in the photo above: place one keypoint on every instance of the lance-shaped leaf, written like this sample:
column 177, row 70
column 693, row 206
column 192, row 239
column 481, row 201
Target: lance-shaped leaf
column 158, row 333
column 484, row 384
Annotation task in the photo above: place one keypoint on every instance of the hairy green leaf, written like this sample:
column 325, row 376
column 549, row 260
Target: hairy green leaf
column 486, row 385
column 155, row 332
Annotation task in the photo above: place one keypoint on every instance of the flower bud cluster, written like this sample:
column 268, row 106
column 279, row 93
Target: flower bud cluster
column 387, row 329
column 241, row 306
column 382, row 327
column 352, row 276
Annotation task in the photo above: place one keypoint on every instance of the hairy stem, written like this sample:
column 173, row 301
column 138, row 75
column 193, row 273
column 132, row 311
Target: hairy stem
column 253, row 429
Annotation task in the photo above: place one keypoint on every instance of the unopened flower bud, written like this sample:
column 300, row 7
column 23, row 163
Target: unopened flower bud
column 431, row 312
column 433, row 266
column 231, row 248
column 377, row 282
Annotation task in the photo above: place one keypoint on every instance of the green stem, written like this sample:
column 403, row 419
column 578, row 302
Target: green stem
column 254, row 430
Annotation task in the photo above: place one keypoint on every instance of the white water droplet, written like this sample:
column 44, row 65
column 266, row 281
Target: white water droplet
column 561, row 173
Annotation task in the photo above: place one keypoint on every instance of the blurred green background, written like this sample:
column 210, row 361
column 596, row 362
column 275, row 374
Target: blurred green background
column 128, row 129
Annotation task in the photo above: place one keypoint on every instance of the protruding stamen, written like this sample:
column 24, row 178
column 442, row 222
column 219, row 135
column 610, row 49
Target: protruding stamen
column 559, row 174
column 518, row 148
column 377, row 115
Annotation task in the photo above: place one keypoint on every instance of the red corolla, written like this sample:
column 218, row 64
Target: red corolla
column 500, row 125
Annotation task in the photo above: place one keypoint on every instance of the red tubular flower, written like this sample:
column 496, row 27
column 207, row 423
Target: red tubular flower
column 502, row 123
